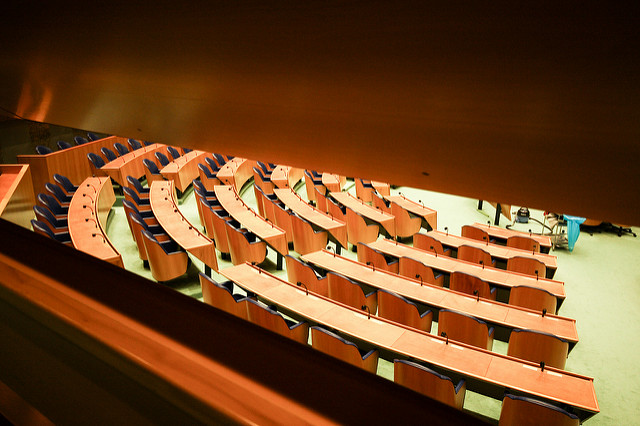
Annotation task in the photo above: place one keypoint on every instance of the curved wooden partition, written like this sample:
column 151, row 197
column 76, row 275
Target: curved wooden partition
column 236, row 172
column 165, row 209
column 16, row 194
column 286, row 176
column 130, row 164
column 88, row 213
column 183, row 170
column 429, row 217
column 386, row 220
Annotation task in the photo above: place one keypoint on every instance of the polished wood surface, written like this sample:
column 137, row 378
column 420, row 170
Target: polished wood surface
column 215, row 295
column 438, row 297
column 517, row 412
column 494, row 276
column 351, row 293
column 71, row 162
column 333, row 182
column 501, row 235
column 470, row 284
column 377, row 259
column 249, row 219
column 165, row 209
column 241, row 248
column 300, row 272
column 286, row 176
column 396, row 308
column 131, row 164
column 496, row 251
column 387, row 221
column 236, row 172
column 305, row 238
column 358, row 230
column 337, row 228
column 16, row 194
column 184, row 169
column 165, row 265
column 87, row 218
column 533, row 298
column 412, row 268
column 400, row 202
column 527, row 265
column 488, row 369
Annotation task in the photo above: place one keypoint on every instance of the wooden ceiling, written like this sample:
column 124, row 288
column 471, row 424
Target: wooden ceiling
column 527, row 104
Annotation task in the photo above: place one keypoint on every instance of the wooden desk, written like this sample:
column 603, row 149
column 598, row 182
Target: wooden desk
column 286, row 176
column 449, row 265
column 498, row 252
column 385, row 219
column 183, row 170
column 236, row 172
column 501, row 235
column 381, row 188
column 486, row 372
column 248, row 218
column 333, row 182
column 88, row 213
column 498, row 314
column 71, row 162
column 16, row 194
column 131, row 164
column 165, row 209
column 320, row 219
column 428, row 215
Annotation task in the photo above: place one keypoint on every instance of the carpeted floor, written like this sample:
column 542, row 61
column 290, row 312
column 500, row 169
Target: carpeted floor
column 602, row 280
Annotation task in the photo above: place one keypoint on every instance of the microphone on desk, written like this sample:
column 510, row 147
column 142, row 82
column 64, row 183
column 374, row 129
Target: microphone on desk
column 476, row 293
column 330, row 248
column 85, row 195
column 434, row 250
column 443, row 334
column 536, row 275
column 446, row 230
column 419, row 276
column 482, row 263
column 372, row 266
column 484, row 238
column 95, row 191
column 99, row 235
column 529, row 232
column 489, row 223
column 368, row 311
column 541, row 365
column 87, row 219
column 301, row 284
column 544, row 312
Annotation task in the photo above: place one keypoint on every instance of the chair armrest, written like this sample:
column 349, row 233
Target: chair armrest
column 368, row 354
column 462, row 383
column 491, row 329
column 296, row 325
column 425, row 313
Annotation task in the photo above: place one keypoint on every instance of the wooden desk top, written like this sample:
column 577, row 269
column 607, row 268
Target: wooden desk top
column 333, row 182
column 16, row 194
column 130, row 164
column 385, row 219
column 500, row 252
column 503, row 234
column 317, row 217
column 183, row 170
column 496, row 277
column 490, row 311
column 165, row 209
column 88, row 212
column 494, row 372
column 236, row 172
column 248, row 218
column 286, row 176
column 417, row 209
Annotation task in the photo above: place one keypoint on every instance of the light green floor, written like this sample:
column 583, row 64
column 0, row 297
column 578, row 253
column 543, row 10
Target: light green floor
column 601, row 275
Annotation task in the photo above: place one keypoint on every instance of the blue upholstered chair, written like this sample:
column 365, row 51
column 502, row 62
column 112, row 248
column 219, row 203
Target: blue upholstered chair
column 79, row 140
column 53, row 205
column 173, row 152
column 134, row 144
column 44, row 215
column 92, row 136
column 96, row 162
column 65, row 183
column 109, row 155
column 167, row 260
column 151, row 171
column 162, row 159
column 131, row 195
column 122, row 150
column 212, row 164
column 43, row 229
column 56, row 191
column 63, row 145
column 135, row 184
column 43, row 150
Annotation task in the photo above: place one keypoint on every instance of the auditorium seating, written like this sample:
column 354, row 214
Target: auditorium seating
column 265, row 316
column 108, row 154
column 524, row 243
column 475, row 255
column 350, row 293
column 412, row 268
column 305, row 238
column 469, row 231
column 167, row 260
column 300, row 272
column 43, row 150
column 533, row 298
column 399, row 309
column 527, row 265
column 428, row 243
column 244, row 246
column 358, row 231
column 43, row 229
column 466, row 283
column 339, row 347
column 221, row 296
column 538, row 347
column 524, row 411
column 377, row 259
column 465, row 328
column 122, row 150
column 429, row 382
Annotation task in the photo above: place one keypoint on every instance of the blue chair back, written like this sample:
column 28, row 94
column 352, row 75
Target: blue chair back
column 79, row 140
column 43, row 214
column 96, row 160
column 134, row 144
column 57, row 192
column 212, row 164
column 122, row 150
column 174, row 152
column 151, row 166
column 137, row 185
column 65, row 183
column 206, row 171
column 43, row 150
column 162, row 159
column 52, row 204
column 92, row 136
column 63, row 145
column 108, row 153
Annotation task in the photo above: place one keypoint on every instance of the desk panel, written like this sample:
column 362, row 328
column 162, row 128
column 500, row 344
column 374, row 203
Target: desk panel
column 501, row 235
column 320, row 219
column 88, row 213
column 248, row 218
column 183, row 170
column 286, row 176
column 494, row 373
column 385, row 219
column 428, row 215
column 131, row 164
column 165, row 209
column 236, row 172
column 16, row 194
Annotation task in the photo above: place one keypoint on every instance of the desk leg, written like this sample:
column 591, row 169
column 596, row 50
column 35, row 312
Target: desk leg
column 498, row 210
column 479, row 204
column 207, row 271
column 279, row 262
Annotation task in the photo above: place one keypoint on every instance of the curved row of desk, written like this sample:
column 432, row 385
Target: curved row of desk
column 236, row 172
column 486, row 372
column 88, row 213
column 504, row 316
column 130, row 164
